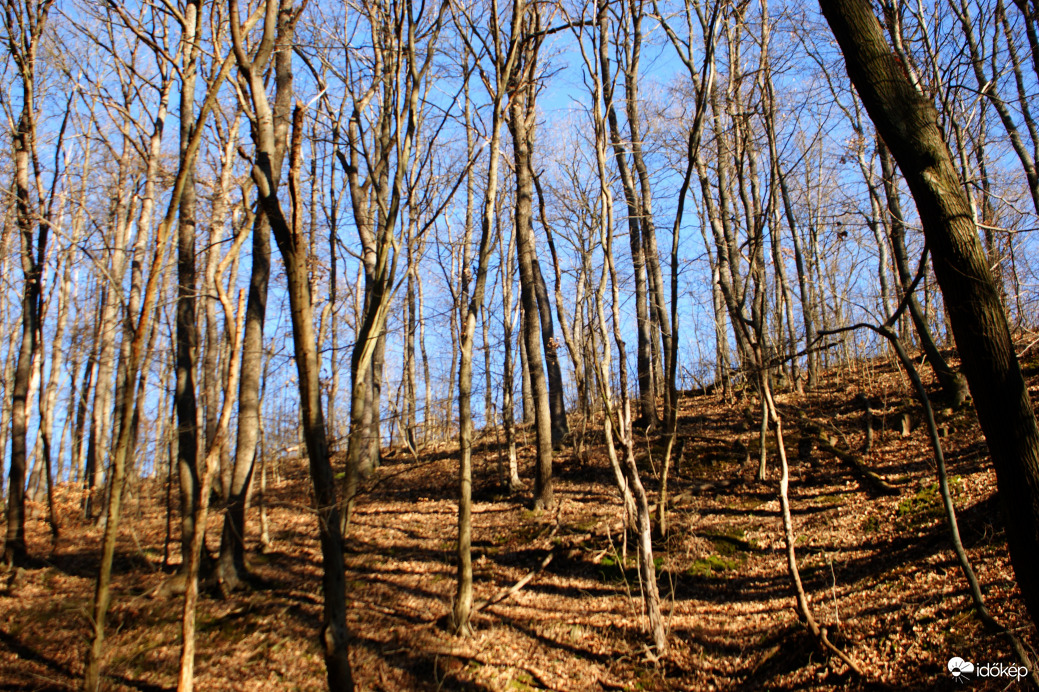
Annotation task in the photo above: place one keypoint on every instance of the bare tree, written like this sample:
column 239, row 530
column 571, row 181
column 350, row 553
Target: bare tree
column 381, row 142
column 24, row 23
column 504, row 59
column 526, row 31
column 231, row 567
column 279, row 20
column 646, row 381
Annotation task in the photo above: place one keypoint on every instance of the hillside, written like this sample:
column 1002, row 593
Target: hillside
column 879, row 569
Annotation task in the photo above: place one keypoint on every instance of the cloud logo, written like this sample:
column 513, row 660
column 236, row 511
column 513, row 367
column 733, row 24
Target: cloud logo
column 960, row 669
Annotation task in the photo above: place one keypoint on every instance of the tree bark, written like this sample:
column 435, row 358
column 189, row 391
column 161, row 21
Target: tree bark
column 526, row 390
column 185, row 400
column 556, row 404
column 464, row 598
column 508, row 404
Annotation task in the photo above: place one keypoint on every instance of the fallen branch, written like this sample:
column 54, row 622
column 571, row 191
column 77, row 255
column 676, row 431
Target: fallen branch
column 515, row 588
column 875, row 481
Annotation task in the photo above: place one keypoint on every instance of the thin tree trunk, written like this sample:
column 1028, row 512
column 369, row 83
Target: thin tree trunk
column 333, row 633
column 987, row 87
column 231, row 568
column 521, row 116
column 464, row 597
column 508, row 405
column 143, row 327
column 235, row 320
column 427, row 399
column 953, row 383
column 556, row 403
column 647, row 391
column 410, row 329
column 658, row 305
column 186, row 326
column 526, row 390
column 633, row 482
column 23, row 41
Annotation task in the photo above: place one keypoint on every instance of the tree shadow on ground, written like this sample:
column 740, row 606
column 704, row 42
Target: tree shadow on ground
column 69, row 680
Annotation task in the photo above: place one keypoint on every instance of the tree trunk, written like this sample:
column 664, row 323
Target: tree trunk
column 101, row 412
column 290, row 244
column 908, row 123
column 187, row 329
column 231, row 566
column 464, row 597
column 658, row 305
column 521, row 111
column 410, row 327
column 556, row 404
column 375, row 402
column 14, row 546
column 24, row 34
column 508, row 404
column 647, row 391
column 526, row 390
column 233, row 321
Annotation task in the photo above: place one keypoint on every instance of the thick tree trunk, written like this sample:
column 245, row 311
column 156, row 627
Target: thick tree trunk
column 908, row 123
column 231, row 565
column 308, row 365
column 333, row 636
column 24, row 33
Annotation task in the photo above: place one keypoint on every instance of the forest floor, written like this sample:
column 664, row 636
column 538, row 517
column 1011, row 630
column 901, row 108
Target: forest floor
column 879, row 570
